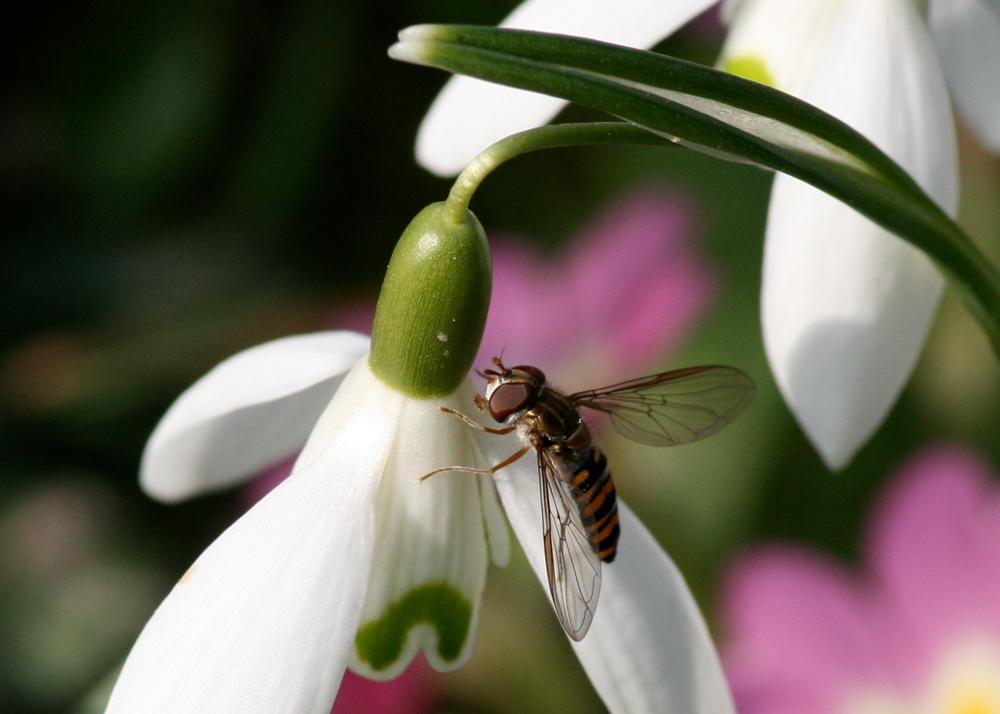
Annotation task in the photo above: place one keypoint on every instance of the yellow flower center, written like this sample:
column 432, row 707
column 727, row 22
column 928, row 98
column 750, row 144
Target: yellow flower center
column 749, row 67
column 966, row 680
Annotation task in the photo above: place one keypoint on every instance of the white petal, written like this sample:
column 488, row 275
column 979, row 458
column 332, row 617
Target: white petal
column 469, row 114
column 967, row 34
column 496, row 523
column 426, row 585
column 846, row 306
column 247, row 413
column 648, row 650
column 784, row 35
column 264, row 619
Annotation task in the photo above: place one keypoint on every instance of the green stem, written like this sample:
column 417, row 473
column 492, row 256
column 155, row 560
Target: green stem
column 721, row 114
column 545, row 137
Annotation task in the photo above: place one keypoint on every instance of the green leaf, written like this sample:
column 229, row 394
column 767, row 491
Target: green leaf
column 725, row 116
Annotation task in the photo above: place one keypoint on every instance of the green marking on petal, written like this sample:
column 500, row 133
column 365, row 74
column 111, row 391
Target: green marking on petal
column 380, row 642
column 749, row 67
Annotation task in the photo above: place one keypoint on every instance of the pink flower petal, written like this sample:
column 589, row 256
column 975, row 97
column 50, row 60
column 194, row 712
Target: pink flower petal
column 806, row 635
column 621, row 293
column 412, row 692
column 936, row 545
column 526, row 310
column 797, row 630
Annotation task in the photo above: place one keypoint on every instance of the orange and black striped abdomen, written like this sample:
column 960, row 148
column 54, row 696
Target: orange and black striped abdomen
column 594, row 492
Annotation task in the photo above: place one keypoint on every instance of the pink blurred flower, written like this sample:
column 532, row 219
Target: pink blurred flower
column 624, row 291
column 412, row 692
column 916, row 629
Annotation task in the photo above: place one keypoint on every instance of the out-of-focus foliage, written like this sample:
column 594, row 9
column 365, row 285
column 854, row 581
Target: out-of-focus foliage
column 183, row 180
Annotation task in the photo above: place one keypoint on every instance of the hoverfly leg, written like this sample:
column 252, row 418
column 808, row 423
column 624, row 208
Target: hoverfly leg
column 468, row 469
column 471, row 422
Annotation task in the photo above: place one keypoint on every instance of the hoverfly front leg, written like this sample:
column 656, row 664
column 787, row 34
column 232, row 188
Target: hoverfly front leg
column 468, row 469
column 481, row 403
column 473, row 423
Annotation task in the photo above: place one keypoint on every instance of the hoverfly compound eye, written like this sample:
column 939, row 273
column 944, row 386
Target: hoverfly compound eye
column 510, row 398
column 533, row 372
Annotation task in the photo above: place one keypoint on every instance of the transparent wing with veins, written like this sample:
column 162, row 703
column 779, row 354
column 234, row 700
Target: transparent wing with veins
column 571, row 561
column 673, row 407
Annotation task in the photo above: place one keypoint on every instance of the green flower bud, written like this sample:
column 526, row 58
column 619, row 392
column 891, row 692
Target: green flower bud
column 432, row 308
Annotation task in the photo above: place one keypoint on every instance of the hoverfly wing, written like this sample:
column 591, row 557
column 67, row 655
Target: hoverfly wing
column 571, row 561
column 673, row 407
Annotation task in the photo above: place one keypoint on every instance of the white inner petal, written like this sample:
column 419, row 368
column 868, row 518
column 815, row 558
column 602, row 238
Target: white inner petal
column 493, row 516
column 497, row 532
column 428, row 576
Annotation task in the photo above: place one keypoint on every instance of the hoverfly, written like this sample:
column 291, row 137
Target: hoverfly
column 579, row 506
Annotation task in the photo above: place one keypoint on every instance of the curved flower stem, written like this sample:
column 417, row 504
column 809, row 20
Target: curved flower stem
column 725, row 116
column 545, row 137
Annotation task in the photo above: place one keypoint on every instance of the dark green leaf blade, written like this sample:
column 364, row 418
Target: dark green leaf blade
column 723, row 115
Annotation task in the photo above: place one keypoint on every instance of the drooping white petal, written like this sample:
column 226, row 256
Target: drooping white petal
column 846, row 306
column 426, row 585
column 247, row 413
column 967, row 35
column 264, row 619
column 648, row 649
column 469, row 114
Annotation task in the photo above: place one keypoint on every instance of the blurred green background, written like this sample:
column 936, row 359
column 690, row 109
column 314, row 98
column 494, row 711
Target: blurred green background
column 181, row 180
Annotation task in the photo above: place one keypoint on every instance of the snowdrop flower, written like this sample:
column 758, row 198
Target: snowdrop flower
column 353, row 561
column 845, row 305
column 591, row 312
column 916, row 630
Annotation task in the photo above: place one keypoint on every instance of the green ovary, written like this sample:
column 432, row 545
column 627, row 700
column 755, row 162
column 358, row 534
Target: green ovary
column 380, row 642
column 749, row 67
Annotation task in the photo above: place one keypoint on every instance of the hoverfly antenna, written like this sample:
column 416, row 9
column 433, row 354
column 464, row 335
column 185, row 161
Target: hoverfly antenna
column 498, row 362
column 487, row 373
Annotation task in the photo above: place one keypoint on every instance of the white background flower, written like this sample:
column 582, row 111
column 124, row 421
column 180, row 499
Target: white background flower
column 845, row 306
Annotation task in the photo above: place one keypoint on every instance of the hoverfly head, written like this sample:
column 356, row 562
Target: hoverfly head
column 512, row 391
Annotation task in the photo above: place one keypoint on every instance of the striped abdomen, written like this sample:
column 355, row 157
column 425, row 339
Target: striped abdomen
column 595, row 497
